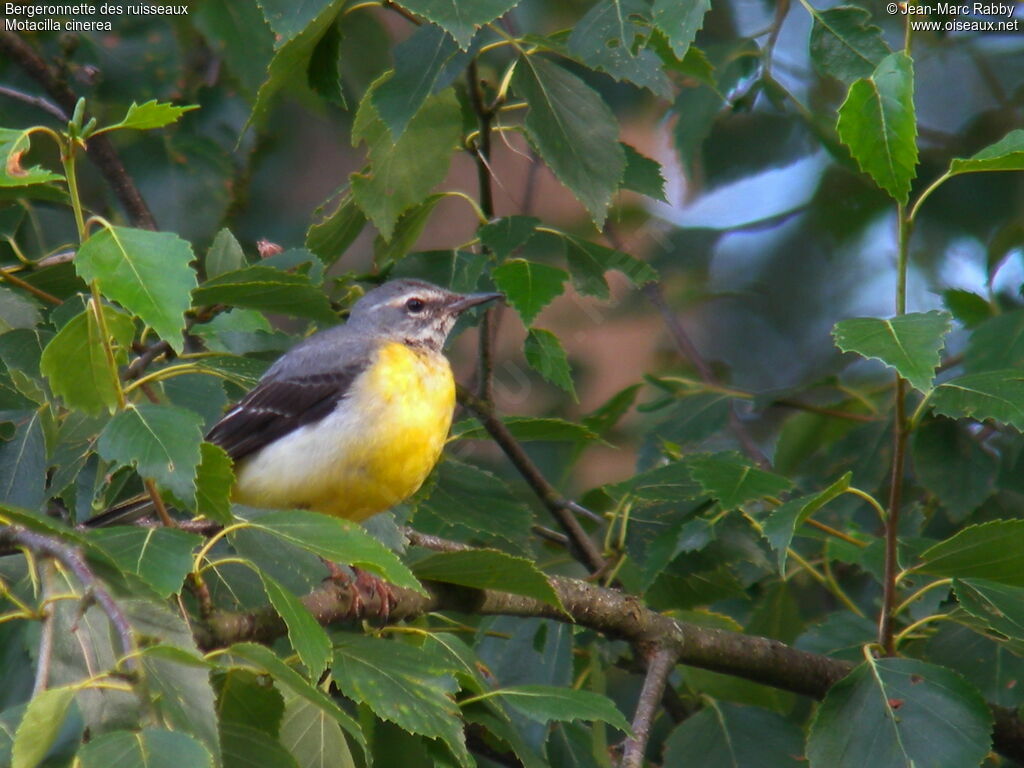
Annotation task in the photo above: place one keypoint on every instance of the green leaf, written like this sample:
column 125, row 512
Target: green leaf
column 402, row 172
column 996, row 395
column 13, row 145
column 468, row 498
column 269, row 290
column 897, row 712
column 149, row 115
column 16, row 311
column 289, row 19
column 845, row 45
column 250, row 699
column 529, row 286
column 460, row 20
column 148, row 273
column 292, row 52
column 238, row 34
column 997, row 342
column 503, row 236
column 999, row 606
column 574, row 131
column 243, row 746
column 670, row 482
column 993, row 551
column 161, row 557
column 148, row 748
column 265, row 659
column 969, row 308
column 214, row 479
column 545, row 355
column 160, row 441
column 489, row 569
column 730, row 478
column 680, row 21
column 75, row 361
column 608, row 414
column 526, row 428
column 609, row 37
column 950, row 463
column 314, row 739
column 726, row 734
column 425, row 63
column 308, row 638
column 39, row 727
column 785, row 519
column 331, row 237
column 877, row 123
column 338, row 540
column 402, row 684
column 459, row 271
column 224, row 255
column 324, row 75
column 643, row 174
column 544, row 703
column 910, row 344
column 407, row 231
column 23, row 465
column 1007, row 154
column 589, row 261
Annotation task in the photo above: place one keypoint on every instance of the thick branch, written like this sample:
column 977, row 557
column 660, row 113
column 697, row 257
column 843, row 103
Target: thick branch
column 660, row 663
column 101, row 150
column 583, row 547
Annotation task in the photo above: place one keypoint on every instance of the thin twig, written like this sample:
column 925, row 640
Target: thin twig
column 36, row 101
column 886, row 635
column 139, row 365
column 688, row 350
column 13, row 279
column 582, row 546
column 834, row 413
column 71, row 558
column 101, row 150
column 660, row 663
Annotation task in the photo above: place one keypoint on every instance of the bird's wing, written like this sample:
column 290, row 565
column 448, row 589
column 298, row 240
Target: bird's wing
column 279, row 405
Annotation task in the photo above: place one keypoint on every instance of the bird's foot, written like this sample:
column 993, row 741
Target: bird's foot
column 365, row 588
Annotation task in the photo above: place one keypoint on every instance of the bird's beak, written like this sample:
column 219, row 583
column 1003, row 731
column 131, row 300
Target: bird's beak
column 463, row 303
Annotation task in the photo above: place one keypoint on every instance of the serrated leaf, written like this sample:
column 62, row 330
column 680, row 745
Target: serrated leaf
column 1007, row 154
column 13, row 145
column 607, row 415
column 16, row 311
column 967, row 307
column 781, row 526
column 545, row 355
column 425, row 63
column 308, row 638
column 39, row 726
column 896, row 712
column 845, row 45
column 503, row 236
column 403, row 684
column 999, row 606
column 148, row 748
column 337, row 540
column 643, row 174
column 489, row 569
column 161, row 557
column 23, row 465
column 909, row 344
column 407, row 231
column 671, row 482
column 574, row 131
column 950, row 463
column 75, row 361
column 529, row 286
column 731, row 479
column 214, row 478
column 544, row 703
column 609, row 37
column 331, row 237
column 149, row 115
column 269, row 290
column 996, row 395
column 402, row 172
column 725, row 734
column 160, row 441
column 460, row 20
column 996, row 343
column 224, row 255
column 249, row 699
column 266, row 659
column 679, row 21
column 993, row 551
column 239, row 35
column 243, row 745
column 878, row 124
column 589, row 261
column 314, row 739
column 147, row 273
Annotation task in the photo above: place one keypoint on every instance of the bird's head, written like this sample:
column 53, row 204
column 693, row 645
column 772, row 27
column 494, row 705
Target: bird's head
column 414, row 312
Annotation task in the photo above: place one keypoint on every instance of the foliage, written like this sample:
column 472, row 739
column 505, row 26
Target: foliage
column 862, row 507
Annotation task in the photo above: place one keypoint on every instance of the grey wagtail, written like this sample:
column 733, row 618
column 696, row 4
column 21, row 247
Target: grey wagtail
column 350, row 421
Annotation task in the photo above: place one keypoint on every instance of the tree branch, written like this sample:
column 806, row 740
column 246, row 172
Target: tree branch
column 101, row 151
column 561, row 508
column 660, row 663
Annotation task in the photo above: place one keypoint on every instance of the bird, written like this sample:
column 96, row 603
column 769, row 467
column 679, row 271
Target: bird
column 350, row 421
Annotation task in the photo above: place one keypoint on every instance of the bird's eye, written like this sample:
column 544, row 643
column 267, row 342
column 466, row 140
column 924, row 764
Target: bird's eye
column 415, row 305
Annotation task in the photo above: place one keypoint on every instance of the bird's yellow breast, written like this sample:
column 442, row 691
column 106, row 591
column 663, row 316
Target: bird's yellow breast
column 372, row 452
